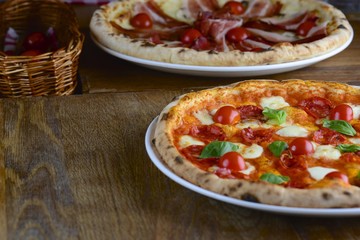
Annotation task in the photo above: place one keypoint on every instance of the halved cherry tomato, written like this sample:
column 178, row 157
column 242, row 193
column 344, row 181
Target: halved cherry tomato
column 201, row 43
column 190, row 35
column 141, row 20
column 301, row 146
column 35, row 40
column 233, row 7
column 304, row 28
column 339, row 175
column 227, row 115
column 342, row 112
column 233, row 161
column 31, row 53
column 237, row 34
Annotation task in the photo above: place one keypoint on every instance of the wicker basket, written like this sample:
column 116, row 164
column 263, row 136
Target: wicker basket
column 51, row 73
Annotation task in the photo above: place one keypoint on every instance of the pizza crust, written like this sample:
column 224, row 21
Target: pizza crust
column 262, row 192
column 339, row 29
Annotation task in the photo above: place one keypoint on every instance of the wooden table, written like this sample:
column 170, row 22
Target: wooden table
column 75, row 167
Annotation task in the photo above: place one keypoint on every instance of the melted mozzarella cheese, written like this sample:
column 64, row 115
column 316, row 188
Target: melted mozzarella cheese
column 204, row 117
column 319, row 173
column 250, row 152
column 187, row 140
column 327, row 151
column 249, row 169
column 292, row 131
column 252, row 123
column 275, row 102
column 355, row 140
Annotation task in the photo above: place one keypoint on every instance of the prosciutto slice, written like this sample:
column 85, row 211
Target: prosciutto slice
column 274, row 36
column 260, row 8
column 290, row 22
column 318, row 30
column 191, row 8
column 252, row 44
column 217, row 28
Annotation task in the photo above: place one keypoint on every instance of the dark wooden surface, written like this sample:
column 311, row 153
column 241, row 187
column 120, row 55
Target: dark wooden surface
column 75, row 167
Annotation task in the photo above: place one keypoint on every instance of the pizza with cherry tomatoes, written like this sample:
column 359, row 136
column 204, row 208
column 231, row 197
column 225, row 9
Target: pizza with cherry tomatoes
column 291, row 143
column 221, row 32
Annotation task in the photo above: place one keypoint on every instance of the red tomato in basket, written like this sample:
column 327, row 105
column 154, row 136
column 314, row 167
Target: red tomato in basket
column 35, row 40
column 31, row 53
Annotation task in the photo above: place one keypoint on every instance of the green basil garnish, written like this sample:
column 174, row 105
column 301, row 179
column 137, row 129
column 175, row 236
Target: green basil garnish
column 340, row 126
column 277, row 147
column 348, row 147
column 217, row 149
column 276, row 117
column 275, row 179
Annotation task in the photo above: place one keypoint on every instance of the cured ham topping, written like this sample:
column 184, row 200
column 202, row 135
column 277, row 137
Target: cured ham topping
column 317, row 107
column 246, row 26
column 250, row 112
column 327, row 136
column 195, row 6
column 260, row 8
column 256, row 135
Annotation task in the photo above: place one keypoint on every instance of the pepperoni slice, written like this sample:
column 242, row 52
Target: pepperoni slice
column 208, row 133
column 287, row 160
column 250, row 112
column 317, row 107
column 192, row 151
column 328, row 136
column 294, row 166
column 256, row 135
column 351, row 157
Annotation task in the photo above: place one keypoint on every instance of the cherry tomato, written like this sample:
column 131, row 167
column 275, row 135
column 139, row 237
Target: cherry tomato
column 233, row 161
column 227, row 115
column 35, row 40
column 141, row 20
column 305, row 27
column 190, row 35
column 31, row 53
column 233, row 7
column 301, row 146
column 339, row 175
column 342, row 112
column 201, row 44
column 237, row 34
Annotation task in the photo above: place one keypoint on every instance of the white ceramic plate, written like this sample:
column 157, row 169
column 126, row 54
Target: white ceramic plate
column 211, row 71
column 321, row 212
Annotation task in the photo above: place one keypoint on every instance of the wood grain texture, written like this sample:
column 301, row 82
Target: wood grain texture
column 76, row 168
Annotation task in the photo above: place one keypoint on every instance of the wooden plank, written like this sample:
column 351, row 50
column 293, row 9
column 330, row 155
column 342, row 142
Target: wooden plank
column 3, row 219
column 39, row 201
column 76, row 167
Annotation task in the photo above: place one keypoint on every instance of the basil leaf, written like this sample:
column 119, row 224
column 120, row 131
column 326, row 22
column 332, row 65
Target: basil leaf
column 275, row 179
column 276, row 117
column 358, row 175
column 348, row 147
column 340, row 126
column 217, row 149
column 277, row 147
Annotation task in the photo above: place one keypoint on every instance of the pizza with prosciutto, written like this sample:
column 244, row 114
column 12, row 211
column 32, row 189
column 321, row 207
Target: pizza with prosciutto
column 292, row 143
column 221, row 32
